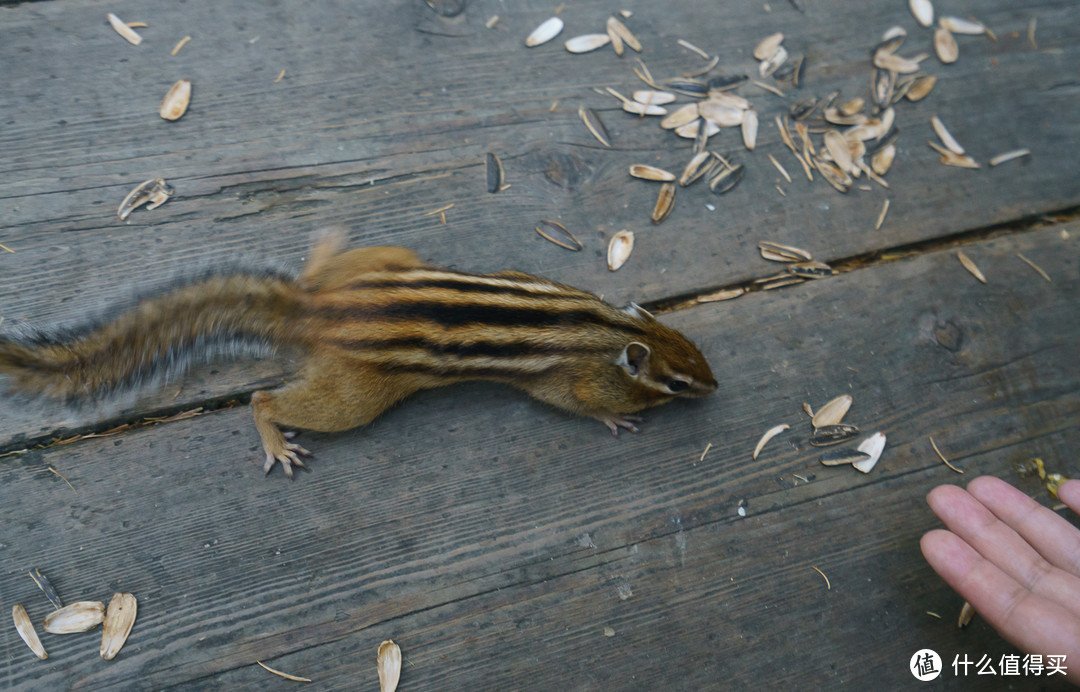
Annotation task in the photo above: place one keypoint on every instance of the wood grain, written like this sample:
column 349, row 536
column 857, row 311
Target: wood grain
column 494, row 538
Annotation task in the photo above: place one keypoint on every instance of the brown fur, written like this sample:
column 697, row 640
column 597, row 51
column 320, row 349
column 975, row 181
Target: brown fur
column 377, row 324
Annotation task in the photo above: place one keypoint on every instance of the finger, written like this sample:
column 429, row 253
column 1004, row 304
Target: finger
column 1029, row 621
column 1052, row 536
column 1069, row 493
column 998, row 543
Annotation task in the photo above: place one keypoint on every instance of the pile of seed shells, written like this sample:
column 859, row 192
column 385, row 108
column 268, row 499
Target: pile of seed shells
column 74, row 618
column 841, row 140
column 828, row 429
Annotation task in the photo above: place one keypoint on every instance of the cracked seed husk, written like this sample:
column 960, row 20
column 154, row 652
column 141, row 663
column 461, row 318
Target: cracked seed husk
column 119, row 618
column 176, row 100
column 619, row 249
column 26, row 630
column 545, row 32
column 76, row 617
column 555, row 232
column 389, row 665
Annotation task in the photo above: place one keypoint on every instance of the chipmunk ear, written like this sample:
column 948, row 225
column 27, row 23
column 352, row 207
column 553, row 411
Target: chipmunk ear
column 635, row 310
column 634, row 359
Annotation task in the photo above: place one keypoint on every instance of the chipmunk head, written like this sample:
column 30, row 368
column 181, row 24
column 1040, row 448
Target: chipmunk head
column 665, row 362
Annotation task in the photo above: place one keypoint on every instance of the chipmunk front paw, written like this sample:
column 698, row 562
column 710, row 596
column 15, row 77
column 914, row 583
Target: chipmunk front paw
column 615, row 422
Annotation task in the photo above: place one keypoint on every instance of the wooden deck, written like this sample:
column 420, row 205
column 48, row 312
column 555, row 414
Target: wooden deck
column 492, row 537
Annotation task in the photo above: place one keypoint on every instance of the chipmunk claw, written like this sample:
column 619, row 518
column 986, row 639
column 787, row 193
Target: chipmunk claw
column 615, row 422
column 289, row 456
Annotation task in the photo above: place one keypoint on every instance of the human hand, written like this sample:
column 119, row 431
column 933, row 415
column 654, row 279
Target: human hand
column 1015, row 561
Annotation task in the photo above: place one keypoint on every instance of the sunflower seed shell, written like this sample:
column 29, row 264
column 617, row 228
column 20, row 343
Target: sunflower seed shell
column 494, row 172
column 389, row 663
column 839, row 457
column 545, row 32
column 874, row 446
column 587, row 43
column 923, row 11
column 619, row 249
column 651, row 173
column 124, row 30
column 768, row 46
column 833, row 412
column 664, row 203
column 119, row 619
column 76, row 617
column 945, row 46
column 595, row 125
column 26, row 630
column 175, row 103
column 557, row 233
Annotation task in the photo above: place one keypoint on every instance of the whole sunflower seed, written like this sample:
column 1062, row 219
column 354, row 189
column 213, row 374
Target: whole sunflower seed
column 839, row 457
column 26, row 630
column 833, row 434
column 783, row 253
column 833, row 412
column 726, row 82
column 664, row 203
column 687, row 86
column 645, row 172
column 557, row 233
column 923, row 11
column 119, row 619
column 767, row 48
column 698, row 166
column 725, row 178
column 619, row 249
column 587, row 43
column 175, row 103
column 595, row 125
column 46, row 587
column 545, row 32
column 494, row 172
column 945, row 45
column 76, row 617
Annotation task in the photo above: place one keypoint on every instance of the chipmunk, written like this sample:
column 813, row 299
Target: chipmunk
column 375, row 325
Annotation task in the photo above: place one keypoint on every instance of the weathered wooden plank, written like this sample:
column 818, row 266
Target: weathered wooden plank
column 463, row 523
column 385, row 114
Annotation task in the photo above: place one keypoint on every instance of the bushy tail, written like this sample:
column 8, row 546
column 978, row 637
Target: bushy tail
column 157, row 338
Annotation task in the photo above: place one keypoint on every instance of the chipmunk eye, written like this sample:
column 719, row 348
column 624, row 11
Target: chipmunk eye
column 676, row 386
